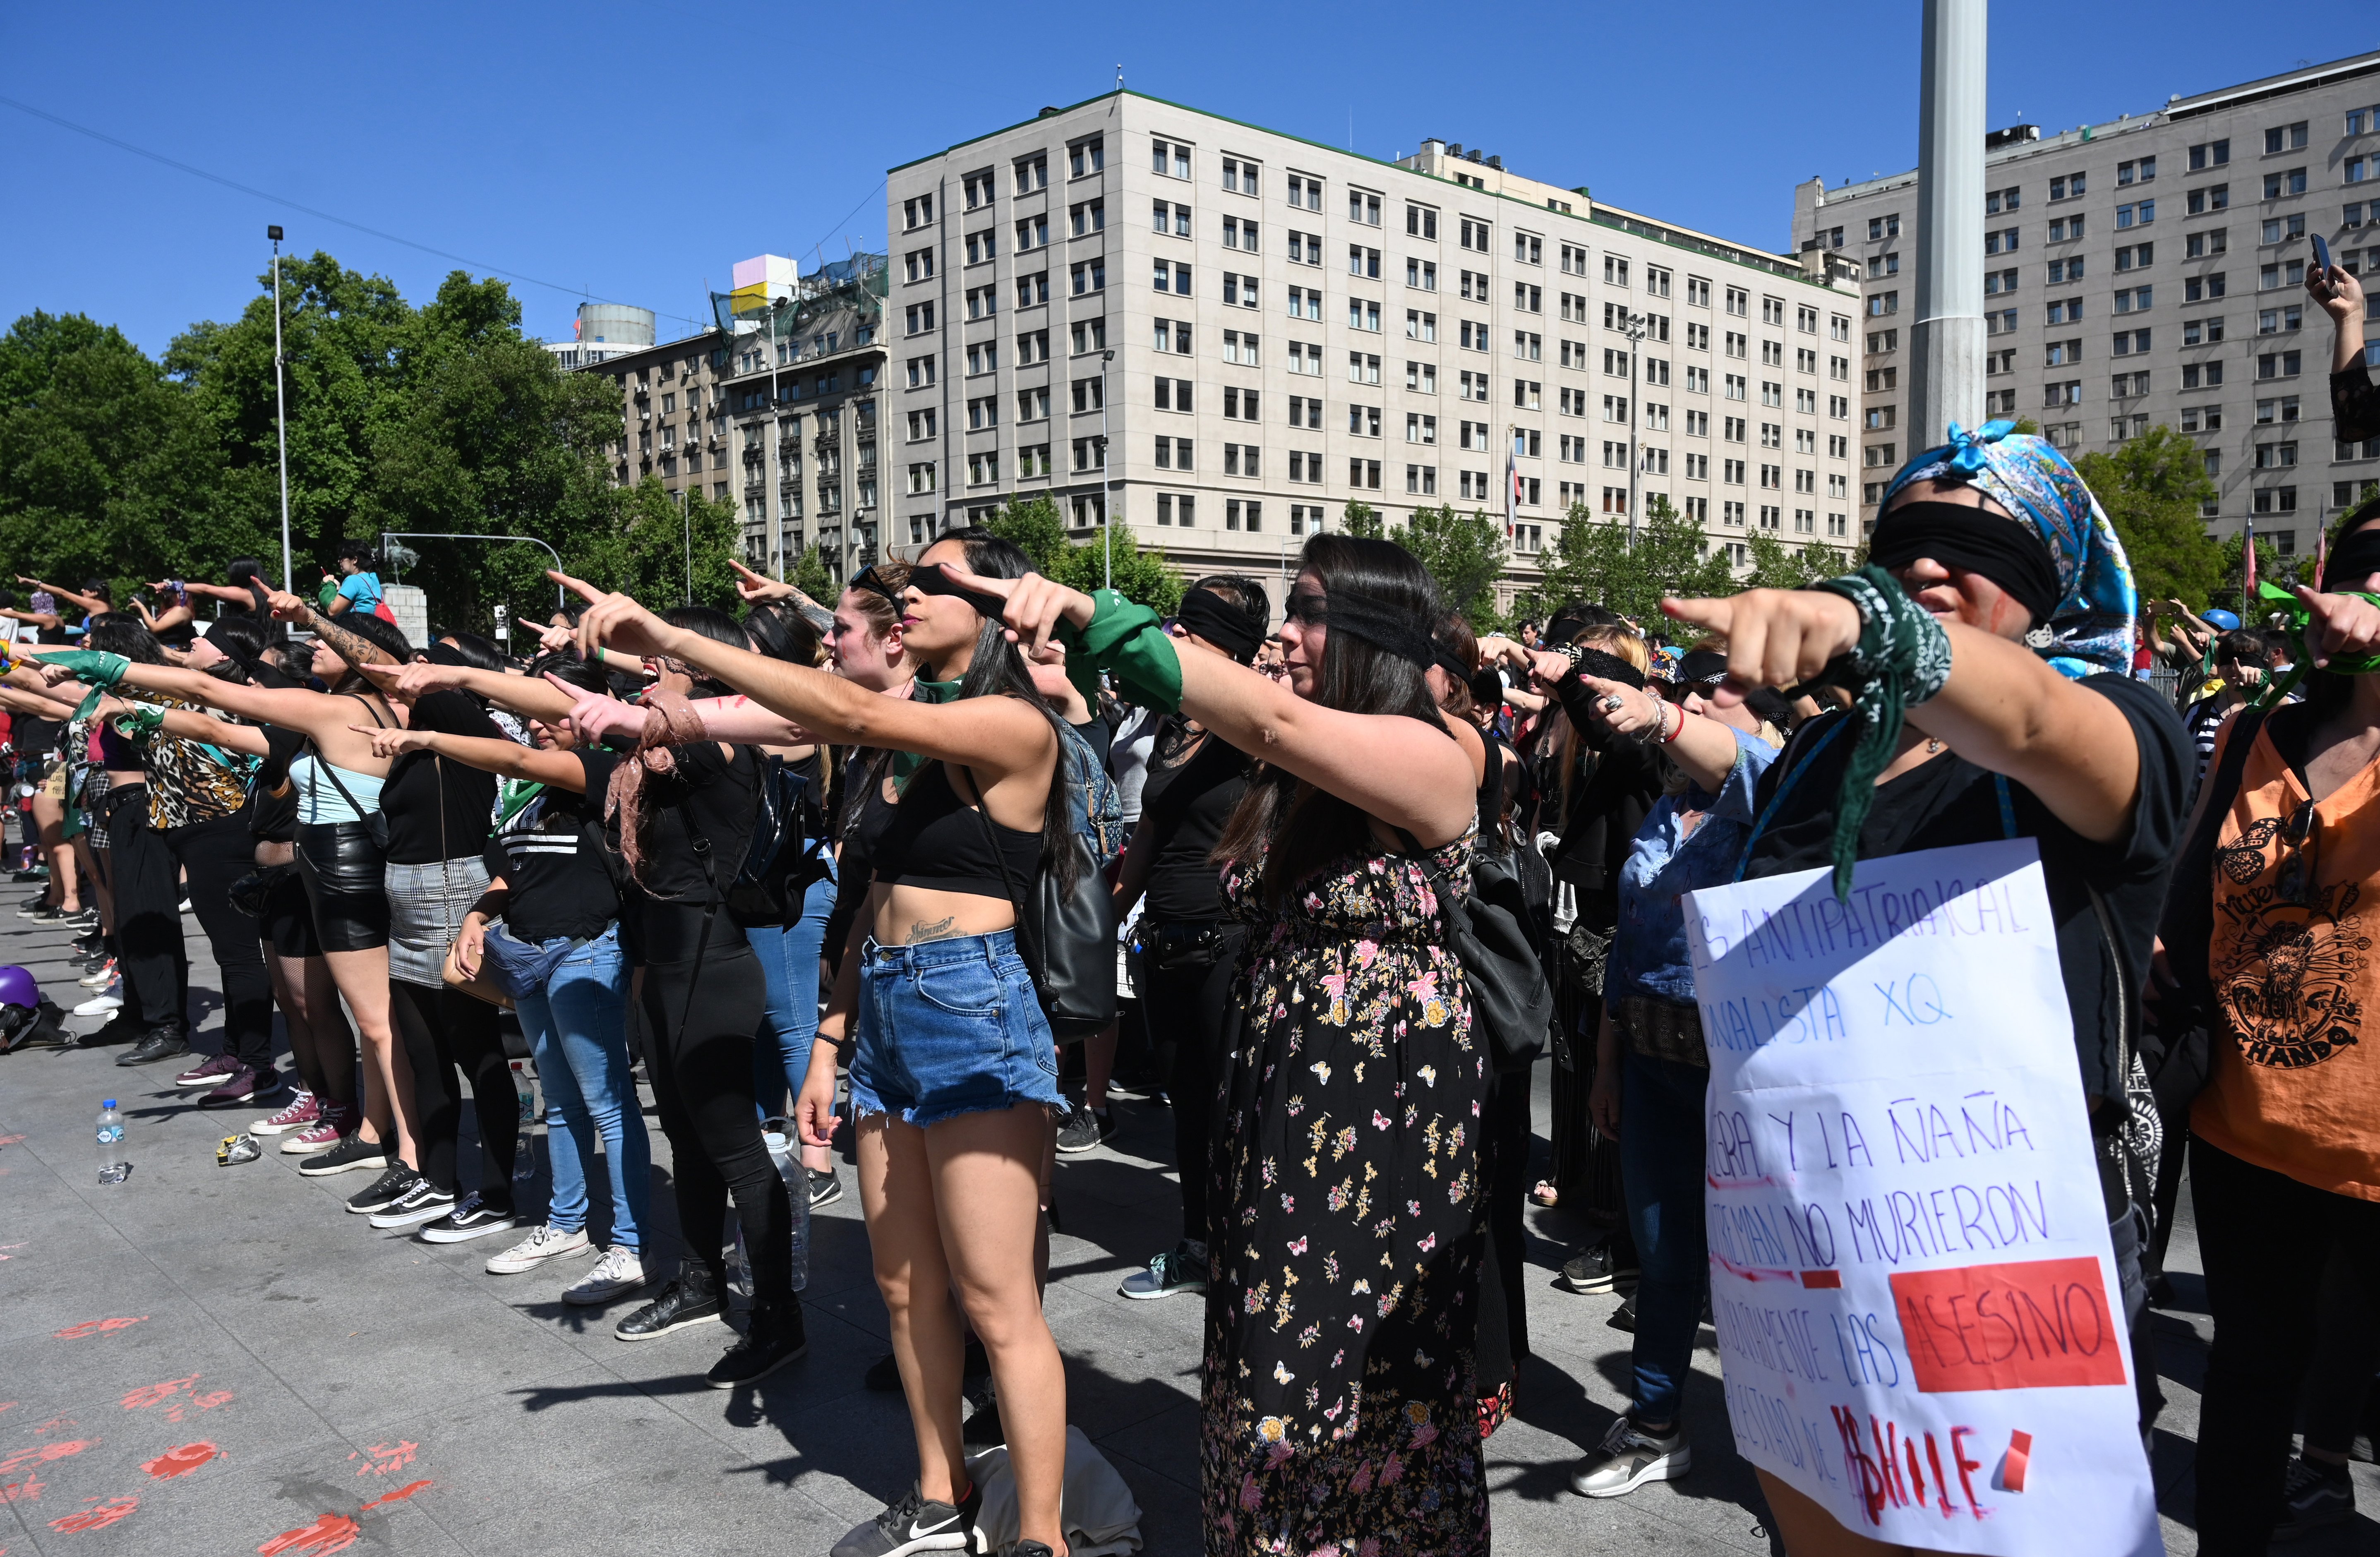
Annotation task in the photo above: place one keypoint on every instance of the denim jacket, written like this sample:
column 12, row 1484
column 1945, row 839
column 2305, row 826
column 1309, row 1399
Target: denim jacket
column 1672, row 856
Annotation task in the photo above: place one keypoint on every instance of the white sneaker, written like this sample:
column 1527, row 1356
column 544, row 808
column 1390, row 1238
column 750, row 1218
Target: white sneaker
column 619, row 1270
column 109, row 999
column 1626, row 1459
column 544, row 1242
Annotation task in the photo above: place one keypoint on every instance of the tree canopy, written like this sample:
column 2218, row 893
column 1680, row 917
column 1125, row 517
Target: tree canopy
column 2153, row 487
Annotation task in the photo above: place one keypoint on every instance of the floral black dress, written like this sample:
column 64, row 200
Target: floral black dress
column 1345, row 1242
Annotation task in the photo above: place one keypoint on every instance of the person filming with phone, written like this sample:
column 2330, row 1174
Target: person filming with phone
column 2354, row 398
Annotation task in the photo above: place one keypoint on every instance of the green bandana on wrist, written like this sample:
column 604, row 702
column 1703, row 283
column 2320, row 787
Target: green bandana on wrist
column 96, row 667
column 2282, row 602
column 1903, row 658
column 1124, row 640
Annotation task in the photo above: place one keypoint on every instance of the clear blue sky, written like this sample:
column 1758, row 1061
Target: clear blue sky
column 634, row 151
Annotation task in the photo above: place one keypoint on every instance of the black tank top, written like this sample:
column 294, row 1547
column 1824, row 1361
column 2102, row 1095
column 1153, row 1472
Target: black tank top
column 933, row 841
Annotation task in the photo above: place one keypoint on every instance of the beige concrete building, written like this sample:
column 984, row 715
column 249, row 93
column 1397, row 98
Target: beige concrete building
column 1224, row 334
column 673, row 396
column 2150, row 270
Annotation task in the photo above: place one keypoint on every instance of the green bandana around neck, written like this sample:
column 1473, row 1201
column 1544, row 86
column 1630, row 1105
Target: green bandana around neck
column 907, row 764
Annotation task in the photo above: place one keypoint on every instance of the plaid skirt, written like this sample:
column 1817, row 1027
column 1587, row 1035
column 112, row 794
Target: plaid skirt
column 426, row 905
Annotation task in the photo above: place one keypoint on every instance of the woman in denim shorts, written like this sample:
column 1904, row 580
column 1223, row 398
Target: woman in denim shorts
column 954, row 1074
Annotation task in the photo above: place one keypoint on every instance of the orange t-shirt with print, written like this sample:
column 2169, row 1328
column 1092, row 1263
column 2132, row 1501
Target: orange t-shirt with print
column 2296, row 1084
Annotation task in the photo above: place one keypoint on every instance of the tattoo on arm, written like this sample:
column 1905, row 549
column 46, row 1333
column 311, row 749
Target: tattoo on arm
column 352, row 647
column 921, row 930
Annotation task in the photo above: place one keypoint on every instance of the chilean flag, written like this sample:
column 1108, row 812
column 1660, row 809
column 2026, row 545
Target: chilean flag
column 2248, row 555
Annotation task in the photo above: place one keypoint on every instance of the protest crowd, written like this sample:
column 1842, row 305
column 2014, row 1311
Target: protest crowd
column 840, row 882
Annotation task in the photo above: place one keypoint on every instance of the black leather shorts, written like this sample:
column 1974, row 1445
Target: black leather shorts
column 287, row 922
column 344, row 871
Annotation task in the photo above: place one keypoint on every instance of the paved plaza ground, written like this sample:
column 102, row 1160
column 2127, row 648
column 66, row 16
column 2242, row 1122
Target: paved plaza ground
column 342, row 1374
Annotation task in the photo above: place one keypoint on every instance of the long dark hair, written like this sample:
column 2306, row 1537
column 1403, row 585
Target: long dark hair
column 242, row 642
column 783, row 633
column 1307, row 828
column 716, row 625
column 116, row 634
column 999, row 669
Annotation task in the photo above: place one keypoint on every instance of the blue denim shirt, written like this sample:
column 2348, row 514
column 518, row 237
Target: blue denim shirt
column 1670, row 856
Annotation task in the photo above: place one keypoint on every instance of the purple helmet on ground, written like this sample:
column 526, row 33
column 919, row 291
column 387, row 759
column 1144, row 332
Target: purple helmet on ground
column 19, row 988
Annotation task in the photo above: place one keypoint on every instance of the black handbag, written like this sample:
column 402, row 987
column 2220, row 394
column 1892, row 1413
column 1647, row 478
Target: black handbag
column 1491, row 935
column 253, row 892
column 1067, row 935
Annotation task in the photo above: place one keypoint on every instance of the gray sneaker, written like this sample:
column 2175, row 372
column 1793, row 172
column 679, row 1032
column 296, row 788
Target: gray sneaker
column 2316, row 1497
column 913, row 1524
column 618, row 1271
column 1080, row 1131
column 1626, row 1459
column 545, row 1241
column 1182, row 1268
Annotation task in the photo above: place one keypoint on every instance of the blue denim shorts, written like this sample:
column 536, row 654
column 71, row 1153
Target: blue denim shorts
column 949, row 1028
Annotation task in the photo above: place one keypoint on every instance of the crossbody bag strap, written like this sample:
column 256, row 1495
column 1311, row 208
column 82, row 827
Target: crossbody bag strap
column 1784, row 787
column 1007, row 881
column 1437, row 887
column 322, row 760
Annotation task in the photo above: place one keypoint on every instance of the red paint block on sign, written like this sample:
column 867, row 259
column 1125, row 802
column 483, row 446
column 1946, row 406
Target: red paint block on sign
column 2020, row 1456
column 1814, row 1280
column 2043, row 1324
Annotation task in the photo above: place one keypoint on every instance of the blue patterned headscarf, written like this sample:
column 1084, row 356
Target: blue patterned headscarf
column 2099, row 606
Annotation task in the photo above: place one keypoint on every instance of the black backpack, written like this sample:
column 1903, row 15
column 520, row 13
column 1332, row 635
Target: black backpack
column 1067, row 935
column 1493, row 934
column 784, row 858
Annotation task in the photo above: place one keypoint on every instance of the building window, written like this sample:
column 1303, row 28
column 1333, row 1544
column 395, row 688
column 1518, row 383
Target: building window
column 1085, row 157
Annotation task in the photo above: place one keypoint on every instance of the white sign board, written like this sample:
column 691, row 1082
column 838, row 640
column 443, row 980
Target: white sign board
column 1917, row 1306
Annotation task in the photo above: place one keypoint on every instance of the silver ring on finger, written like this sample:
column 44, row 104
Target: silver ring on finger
column 1612, row 704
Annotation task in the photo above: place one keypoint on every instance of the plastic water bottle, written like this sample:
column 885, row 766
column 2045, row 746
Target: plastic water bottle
column 115, row 1158
column 785, row 1153
column 525, row 1153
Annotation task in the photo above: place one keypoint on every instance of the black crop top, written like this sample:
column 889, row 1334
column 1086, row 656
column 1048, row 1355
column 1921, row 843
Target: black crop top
column 935, row 841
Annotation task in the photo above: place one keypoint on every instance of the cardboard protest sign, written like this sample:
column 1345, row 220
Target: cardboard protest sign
column 1917, row 1306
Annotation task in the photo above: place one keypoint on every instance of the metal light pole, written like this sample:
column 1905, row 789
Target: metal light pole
column 1633, row 326
column 1106, row 522
column 280, row 410
column 1948, row 338
column 775, row 461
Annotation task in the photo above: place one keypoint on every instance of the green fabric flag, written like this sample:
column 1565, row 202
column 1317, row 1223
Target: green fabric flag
column 1124, row 640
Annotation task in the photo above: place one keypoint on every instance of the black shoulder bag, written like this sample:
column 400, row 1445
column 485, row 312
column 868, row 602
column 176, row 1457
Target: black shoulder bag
column 1067, row 935
column 1492, row 935
column 782, row 860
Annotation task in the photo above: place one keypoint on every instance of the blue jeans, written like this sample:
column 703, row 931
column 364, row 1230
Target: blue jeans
column 789, row 961
column 1661, row 1171
column 577, row 1028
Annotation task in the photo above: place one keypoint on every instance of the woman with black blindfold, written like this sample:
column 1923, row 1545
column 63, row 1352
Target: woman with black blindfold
column 2267, row 935
column 1345, row 1198
column 954, row 1073
column 1999, row 615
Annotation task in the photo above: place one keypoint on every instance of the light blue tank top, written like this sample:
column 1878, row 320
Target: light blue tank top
column 319, row 799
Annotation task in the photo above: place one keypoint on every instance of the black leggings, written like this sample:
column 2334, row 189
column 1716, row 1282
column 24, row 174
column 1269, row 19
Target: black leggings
column 1185, row 1011
column 141, row 873
column 443, row 1030
column 699, row 1055
column 213, row 855
column 2266, row 1241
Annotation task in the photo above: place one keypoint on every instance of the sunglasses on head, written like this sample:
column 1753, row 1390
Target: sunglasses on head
column 867, row 578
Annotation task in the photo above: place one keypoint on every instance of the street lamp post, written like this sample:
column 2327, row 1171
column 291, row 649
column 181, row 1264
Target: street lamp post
column 280, row 410
column 1946, row 341
column 1107, row 528
column 1633, row 326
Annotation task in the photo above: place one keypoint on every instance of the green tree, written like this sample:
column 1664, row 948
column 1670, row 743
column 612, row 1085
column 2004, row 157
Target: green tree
column 2152, row 487
column 1034, row 526
column 1465, row 556
column 1774, row 567
column 1361, row 520
column 1592, row 562
column 653, row 537
column 2271, row 568
column 810, row 575
column 1038, row 528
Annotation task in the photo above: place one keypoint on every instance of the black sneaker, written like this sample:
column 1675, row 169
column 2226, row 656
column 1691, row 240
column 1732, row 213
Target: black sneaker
column 472, row 1219
column 166, row 1041
column 122, row 1028
column 395, row 1183
column 2316, row 1497
column 1081, row 1131
column 826, row 1187
column 689, row 1298
column 353, row 1151
column 883, row 1375
column 417, row 1203
column 912, row 1524
column 1597, row 1271
column 773, row 1338
column 1624, row 1316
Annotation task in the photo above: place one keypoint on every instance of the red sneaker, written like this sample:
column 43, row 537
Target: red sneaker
column 300, row 1110
column 211, row 1072
column 320, row 1135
